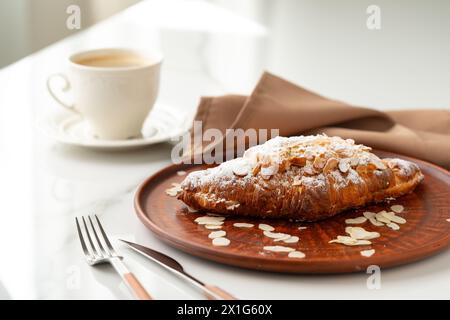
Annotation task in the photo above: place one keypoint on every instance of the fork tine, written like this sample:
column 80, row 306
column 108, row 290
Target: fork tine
column 105, row 237
column 104, row 251
column 83, row 243
column 94, row 249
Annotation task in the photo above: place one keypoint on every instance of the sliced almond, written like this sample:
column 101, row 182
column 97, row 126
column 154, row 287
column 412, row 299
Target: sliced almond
column 210, row 220
column 308, row 169
column 291, row 239
column 344, row 165
column 240, row 171
column 221, row 242
column 217, row 234
column 369, row 214
column 278, row 249
column 276, row 235
column 233, row 206
column 448, row 220
column 357, row 220
column 354, row 162
column 393, row 226
column 174, row 190
column 213, row 226
column 380, row 217
column 243, row 225
column 269, row 171
column 379, row 164
column 265, row 227
column 361, row 234
column 319, row 162
column 210, row 217
column 391, row 216
column 367, row 253
column 181, row 173
column 296, row 254
column 302, row 228
column 375, row 222
column 349, row 241
column 284, row 238
column 331, row 164
column 397, row 208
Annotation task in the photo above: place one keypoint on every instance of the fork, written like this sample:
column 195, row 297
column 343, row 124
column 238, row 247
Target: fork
column 98, row 250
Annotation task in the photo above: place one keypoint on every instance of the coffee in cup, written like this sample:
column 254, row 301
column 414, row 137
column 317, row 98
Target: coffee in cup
column 113, row 89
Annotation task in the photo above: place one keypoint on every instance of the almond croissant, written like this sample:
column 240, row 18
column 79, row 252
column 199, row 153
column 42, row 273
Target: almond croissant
column 305, row 178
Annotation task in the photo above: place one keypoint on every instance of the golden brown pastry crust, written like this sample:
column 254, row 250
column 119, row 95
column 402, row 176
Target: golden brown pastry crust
column 306, row 178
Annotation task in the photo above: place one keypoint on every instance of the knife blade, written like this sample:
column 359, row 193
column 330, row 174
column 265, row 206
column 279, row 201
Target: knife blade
column 212, row 292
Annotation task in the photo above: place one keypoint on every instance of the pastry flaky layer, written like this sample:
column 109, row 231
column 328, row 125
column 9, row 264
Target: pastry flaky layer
column 305, row 178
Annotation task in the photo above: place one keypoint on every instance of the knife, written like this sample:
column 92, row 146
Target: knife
column 211, row 292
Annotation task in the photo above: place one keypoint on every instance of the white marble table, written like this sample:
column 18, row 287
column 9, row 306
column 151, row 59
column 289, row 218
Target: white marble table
column 44, row 185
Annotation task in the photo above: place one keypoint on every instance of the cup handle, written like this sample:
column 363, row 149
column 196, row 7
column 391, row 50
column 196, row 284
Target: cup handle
column 65, row 88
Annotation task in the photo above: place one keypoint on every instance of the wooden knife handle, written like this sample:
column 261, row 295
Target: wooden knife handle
column 219, row 292
column 134, row 284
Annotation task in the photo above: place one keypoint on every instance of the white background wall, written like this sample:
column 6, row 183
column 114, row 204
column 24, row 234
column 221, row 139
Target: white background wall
column 29, row 25
column 323, row 45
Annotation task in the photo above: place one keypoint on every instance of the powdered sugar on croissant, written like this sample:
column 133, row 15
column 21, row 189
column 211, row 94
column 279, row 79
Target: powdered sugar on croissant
column 305, row 178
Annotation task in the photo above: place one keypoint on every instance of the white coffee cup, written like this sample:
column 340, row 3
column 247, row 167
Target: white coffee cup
column 113, row 89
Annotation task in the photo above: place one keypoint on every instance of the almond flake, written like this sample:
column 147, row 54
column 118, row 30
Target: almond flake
column 243, row 225
column 361, row 234
column 448, row 220
column 233, row 206
column 265, row 227
column 217, row 234
column 269, row 171
column 296, row 254
column 344, row 165
column 391, row 216
column 367, row 253
column 174, row 190
column 221, row 242
column 210, row 220
column 376, row 223
column 349, row 241
column 213, row 226
column 302, row 228
column 369, row 214
column 181, row 173
column 357, row 220
column 274, row 235
column 291, row 239
column 330, row 165
column 240, row 171
column 393, row 226
column 278, row 249
column 319, row 162
column 354, row 162
column 380, row 217
column 397, row 208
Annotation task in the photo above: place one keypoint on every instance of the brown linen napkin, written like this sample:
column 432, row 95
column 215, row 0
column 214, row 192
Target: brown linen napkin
column 278, row 104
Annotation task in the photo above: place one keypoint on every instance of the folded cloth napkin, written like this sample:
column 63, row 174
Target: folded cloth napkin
column 278, row 104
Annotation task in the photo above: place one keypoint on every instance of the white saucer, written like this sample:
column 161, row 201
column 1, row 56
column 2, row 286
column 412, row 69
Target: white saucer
column 162, row 124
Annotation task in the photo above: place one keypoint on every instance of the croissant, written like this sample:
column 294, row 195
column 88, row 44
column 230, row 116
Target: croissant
column 306, row 178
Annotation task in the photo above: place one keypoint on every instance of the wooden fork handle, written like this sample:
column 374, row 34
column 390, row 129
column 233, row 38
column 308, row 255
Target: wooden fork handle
column 137, row 288
column 218, row 292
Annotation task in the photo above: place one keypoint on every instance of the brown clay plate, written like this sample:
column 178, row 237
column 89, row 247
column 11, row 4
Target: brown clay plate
column 426, row 232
